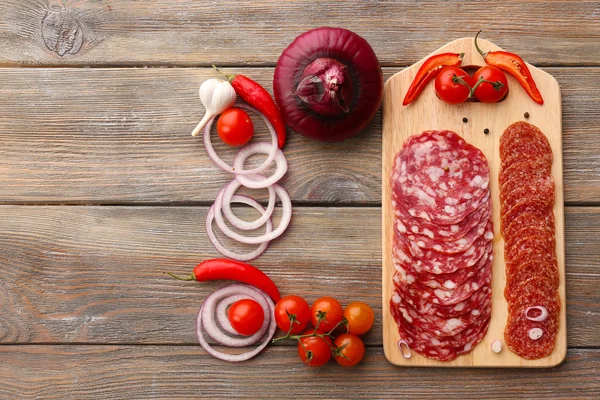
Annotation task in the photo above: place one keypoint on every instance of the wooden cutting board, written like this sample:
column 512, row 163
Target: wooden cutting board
column 427, row 112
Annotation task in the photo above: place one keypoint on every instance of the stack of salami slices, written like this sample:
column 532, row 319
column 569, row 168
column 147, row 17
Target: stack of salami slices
column 527, row 224
column 442, row 249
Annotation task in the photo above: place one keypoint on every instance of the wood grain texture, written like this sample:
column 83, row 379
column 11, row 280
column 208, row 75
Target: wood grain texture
column 94, row 274
column 160, row 372
column 127, row 131
column 426, row 113
column 193, row 33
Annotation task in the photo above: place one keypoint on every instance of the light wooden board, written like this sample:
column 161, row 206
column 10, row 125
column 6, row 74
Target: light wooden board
column 427, row 112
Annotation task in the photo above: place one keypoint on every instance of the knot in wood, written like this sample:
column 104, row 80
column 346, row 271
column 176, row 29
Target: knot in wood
column 61, row 31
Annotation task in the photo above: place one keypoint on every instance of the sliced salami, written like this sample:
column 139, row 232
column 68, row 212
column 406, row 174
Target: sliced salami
column 518, row 334
column 442, row 233
column 523, row 170
column 434, row 262
column 453, row 279
column 531, row 247
column 439, row 177
column 525, row 231
column 525, row 216
column 422, row 297
column 541, row 187
column 528, row 272
column 521, row 141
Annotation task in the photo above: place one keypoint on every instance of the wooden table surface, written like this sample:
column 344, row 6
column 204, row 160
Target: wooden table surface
column 102, row 188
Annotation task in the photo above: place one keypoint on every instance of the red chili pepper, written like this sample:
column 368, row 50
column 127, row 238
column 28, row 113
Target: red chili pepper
column 225, row 269
column 514, row 65
column 429, row 70
column 257, row 96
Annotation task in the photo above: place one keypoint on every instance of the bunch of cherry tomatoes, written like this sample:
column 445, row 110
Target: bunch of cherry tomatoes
column 324, row 340
column 454, row 85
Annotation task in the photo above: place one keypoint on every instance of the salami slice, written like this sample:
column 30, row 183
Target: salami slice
column 535, row 292
column 453, row 279
column 434, row 262
column 443, row 233
column 439, row 348
column 541, row 187
column 526, row 216
column 423, row 297
column 458, row 246
column 528, row 271
column 523, row 170
column 523, row 141
column 531, row 247
column 439, row 177
column 528, row 230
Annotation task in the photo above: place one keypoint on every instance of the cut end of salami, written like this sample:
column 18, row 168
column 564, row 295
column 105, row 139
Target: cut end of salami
column 442, row 248
column 527, row 225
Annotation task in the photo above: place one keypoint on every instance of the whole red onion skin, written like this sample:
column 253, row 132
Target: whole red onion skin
column 364, row 71
column 325, row 87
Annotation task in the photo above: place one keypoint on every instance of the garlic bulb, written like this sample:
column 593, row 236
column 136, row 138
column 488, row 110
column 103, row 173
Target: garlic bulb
column 217, row 96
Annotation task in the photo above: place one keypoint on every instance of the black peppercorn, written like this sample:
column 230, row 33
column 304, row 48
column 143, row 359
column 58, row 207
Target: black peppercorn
column 526, row 115
column 486, row 131
column 465, row 120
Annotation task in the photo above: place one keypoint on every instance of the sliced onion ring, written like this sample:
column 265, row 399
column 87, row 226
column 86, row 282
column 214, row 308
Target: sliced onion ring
column 226, row 167
column 535, row 333
column 221, row 312
column 406, row 354
column 228, row 193
column 539, row 318
column 231, row 290
column 222, row 249
column 286, row 206
column 496, row 346
column 258, row 181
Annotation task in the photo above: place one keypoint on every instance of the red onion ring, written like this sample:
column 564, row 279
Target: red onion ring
column 226, row 167
column 210, row 303
column 228, row 193
column 258, row 181
column 539, row 318
column 408, row 353
column 222, row 249
column 221, row 312
column 286, row 206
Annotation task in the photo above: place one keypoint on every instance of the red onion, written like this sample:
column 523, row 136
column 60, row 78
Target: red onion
column 406, row 354
column 222, row 249
column 543, row 313
column 226, row 167
column 206, row 321
column 328, row 84
column 228, row 193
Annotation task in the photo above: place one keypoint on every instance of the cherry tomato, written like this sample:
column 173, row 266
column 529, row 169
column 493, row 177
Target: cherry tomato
column 450, row 90
column 246, row 316
column 488, row 92
column 360, row 317
column 313, row 350
column 333, row 313
column 294, row 305
column 235, row 127
column 352, row 352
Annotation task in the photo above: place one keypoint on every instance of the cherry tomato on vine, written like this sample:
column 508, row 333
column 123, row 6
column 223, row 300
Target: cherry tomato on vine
column 313, row 350
column 351, row 349
column 298, row 308
column 246, row 316
column 494, row 85
column 360, row 317
column 333, row 313
column 235, row 127
column 453, row 85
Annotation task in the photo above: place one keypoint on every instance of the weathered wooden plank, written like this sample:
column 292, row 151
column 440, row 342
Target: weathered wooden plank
column 192, row 33
column 149, row 372
column 94, row 274
column 127, row 130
